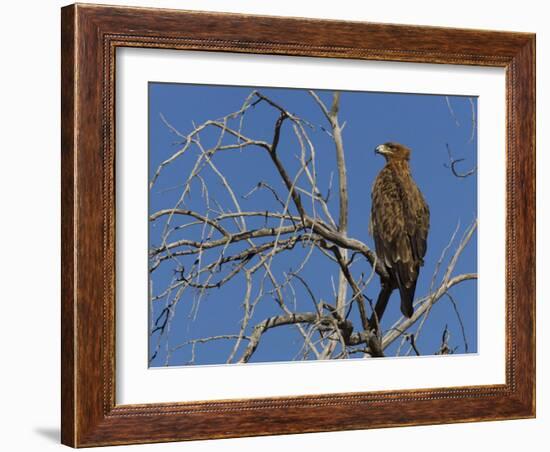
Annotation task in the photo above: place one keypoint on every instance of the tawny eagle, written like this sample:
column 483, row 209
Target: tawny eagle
column 400, row 219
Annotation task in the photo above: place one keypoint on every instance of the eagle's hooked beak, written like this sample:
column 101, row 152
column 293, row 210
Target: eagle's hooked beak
column 381, row 149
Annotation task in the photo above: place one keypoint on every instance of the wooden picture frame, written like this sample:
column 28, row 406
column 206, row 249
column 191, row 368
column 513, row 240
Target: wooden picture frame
column 90, row 36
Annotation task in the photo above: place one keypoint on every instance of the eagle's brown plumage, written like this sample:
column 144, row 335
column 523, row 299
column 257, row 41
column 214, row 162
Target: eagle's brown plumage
column 400, row 219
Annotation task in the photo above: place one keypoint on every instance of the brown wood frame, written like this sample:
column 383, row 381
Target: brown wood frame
column 90, row 35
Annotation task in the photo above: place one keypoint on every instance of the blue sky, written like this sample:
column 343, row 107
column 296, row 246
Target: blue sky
column 422, row 122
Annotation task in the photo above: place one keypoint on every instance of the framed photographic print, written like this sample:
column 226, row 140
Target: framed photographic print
column 282, row 225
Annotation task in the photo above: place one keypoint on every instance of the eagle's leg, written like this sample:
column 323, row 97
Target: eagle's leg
column 381, row 303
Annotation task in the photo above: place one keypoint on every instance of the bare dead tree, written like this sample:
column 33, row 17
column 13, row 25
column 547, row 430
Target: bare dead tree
column 229, row 243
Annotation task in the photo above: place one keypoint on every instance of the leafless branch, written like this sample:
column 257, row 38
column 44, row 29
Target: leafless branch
column 459, row 318
column 453, row 162
column 451, row 111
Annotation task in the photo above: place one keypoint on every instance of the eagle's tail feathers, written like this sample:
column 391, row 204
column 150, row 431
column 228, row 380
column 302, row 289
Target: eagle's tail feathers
column 407, row 298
